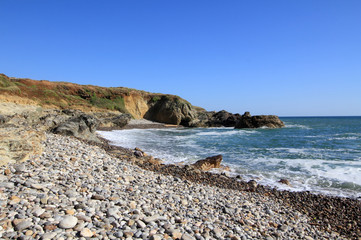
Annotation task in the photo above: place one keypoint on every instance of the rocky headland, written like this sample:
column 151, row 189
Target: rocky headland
column 59, row 180
column 115, row 105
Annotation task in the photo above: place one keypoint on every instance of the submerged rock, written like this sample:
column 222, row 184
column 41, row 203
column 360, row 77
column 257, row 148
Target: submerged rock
column 248, row 121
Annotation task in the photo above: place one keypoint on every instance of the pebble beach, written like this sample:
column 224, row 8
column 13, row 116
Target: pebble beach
column 78, row 191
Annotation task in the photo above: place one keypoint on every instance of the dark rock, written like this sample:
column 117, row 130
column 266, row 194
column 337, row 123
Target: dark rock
column 208, row 163
column 252, row 185
column 83, row 126
column 121, row 120
column 226, row 119
column 3, row 119
column 97, row 197
column 217, row 119
column 72, row 112
column 52, row 119
column 138, row 154
column 171, row 110
column 284, row 181
column 248, row 121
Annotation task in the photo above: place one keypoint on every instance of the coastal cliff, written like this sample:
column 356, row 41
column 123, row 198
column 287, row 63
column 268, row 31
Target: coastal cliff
column 139, row 104
column 163, row 108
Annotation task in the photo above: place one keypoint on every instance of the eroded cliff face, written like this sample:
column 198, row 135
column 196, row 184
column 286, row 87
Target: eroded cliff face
column 136, row 104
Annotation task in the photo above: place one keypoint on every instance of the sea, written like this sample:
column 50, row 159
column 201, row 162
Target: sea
column 317, row 154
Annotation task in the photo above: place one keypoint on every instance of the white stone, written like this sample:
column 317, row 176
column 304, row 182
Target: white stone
column 86, row 232
column 68, row 222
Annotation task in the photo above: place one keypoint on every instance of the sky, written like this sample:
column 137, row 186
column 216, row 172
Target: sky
column 283, row 57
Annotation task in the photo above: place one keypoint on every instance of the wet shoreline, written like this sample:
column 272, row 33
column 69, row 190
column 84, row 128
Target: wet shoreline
column 328, row 213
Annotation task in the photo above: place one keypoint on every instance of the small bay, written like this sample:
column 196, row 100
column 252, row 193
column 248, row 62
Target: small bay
column 317, row 154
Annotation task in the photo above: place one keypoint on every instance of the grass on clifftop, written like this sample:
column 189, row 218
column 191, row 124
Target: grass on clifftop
column 83, row 97
column 66, row 95
column 8, row 86
column 114, row 104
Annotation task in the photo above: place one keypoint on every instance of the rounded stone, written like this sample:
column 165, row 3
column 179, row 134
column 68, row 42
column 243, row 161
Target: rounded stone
column 68, row 222
column 86, row 232
column 23, row 225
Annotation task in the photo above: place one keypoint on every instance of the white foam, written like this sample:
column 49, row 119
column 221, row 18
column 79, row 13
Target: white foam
column 290, row 125
column 314, row 179
column 226, row 133
column 310, row 171
column 343, row 138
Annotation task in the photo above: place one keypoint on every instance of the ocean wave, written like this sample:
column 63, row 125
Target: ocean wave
column 318, row 176
column 315, row 164
column 290, row 125
column 343, row 138
column 227, row 133
column 344, row 171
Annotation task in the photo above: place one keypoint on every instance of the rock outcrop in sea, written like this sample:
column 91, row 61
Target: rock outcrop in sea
column 248, row 121
column 171, row 110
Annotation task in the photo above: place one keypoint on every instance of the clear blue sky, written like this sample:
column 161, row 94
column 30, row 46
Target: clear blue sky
column 290, row 58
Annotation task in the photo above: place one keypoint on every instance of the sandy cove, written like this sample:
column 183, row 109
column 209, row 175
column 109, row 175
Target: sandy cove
column 77, row 190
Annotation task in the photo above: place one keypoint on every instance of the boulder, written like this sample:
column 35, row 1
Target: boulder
column 171, row 110
column 248, row 121
column 217, row 119
column 83, row 126
column 208, row 163
column 51, row 119
column 284, row 181
column 113, row 120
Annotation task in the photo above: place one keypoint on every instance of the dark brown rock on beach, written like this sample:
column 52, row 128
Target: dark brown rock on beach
column 208, row 163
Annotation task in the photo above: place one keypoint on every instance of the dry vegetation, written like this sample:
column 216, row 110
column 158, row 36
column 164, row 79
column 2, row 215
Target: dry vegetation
column 64, row 94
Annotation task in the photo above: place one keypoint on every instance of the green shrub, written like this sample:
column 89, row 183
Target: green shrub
column 50, row 93
column 155, row 99
column 5, row 82
column 115, row 104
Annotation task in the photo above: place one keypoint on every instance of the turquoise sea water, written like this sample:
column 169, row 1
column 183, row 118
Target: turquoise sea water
column 318, row 154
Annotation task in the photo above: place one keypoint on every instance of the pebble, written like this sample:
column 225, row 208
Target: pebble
column 3, row 178
column 38, row 211
column 49, row 235
column 102, row 197
column 20, row 168
column 68, row 222
column 23, row 225
column 86, row 232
